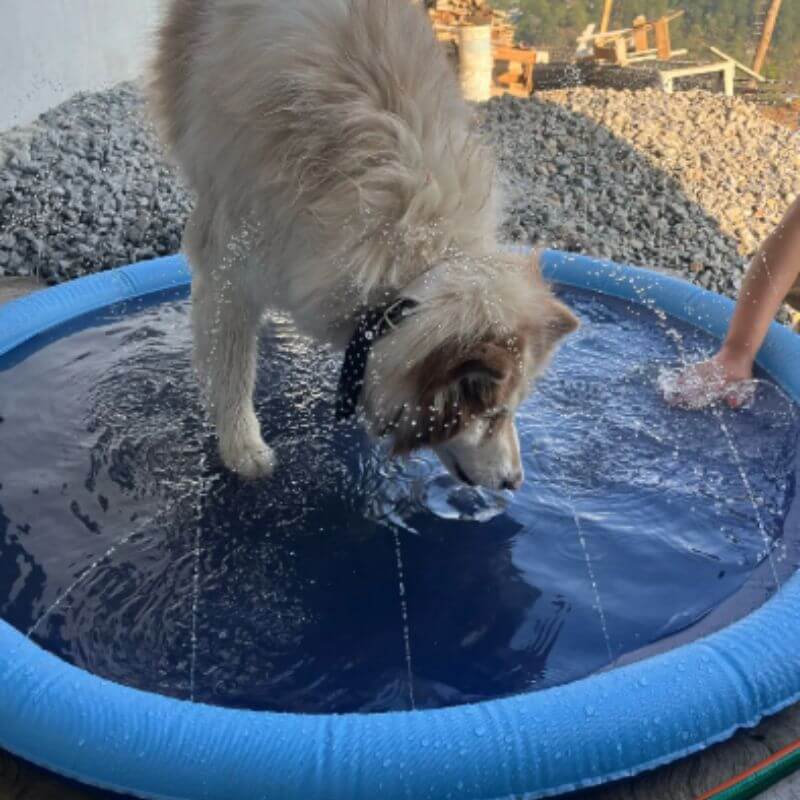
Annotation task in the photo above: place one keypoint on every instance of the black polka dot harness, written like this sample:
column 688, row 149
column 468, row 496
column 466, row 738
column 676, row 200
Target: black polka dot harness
column 373, row 324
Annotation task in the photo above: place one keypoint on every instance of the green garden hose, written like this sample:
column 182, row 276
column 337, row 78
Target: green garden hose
column 760, row 778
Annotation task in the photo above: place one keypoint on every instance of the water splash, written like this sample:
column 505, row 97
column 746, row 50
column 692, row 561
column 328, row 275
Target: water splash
column 420, row 485
column 448, row 499
column 404, row 616
column 739, row 395
column 56, row 604
column 196, row 557
column 703, row 384
column 768, row 542
column 265, row 597
column 598, row 603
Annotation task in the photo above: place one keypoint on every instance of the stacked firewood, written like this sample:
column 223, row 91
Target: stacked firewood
column 447, row 15
column 503, row 31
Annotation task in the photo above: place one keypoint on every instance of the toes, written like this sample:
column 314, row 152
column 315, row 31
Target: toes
column 251, row 460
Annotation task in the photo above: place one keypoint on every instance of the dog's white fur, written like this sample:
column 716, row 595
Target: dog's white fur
column 336, row 168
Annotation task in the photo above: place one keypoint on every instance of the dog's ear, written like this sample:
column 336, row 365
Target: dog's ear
column 559, row 322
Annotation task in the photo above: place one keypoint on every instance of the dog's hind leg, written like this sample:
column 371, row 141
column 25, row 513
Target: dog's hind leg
column 225, row 322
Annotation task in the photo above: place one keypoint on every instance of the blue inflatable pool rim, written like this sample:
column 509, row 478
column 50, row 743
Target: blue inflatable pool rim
column 605, row 727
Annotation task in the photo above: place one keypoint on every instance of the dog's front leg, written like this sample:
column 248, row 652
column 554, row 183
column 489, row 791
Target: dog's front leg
column 225, row 326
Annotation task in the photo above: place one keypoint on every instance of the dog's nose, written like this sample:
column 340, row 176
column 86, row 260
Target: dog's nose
column 514, row 482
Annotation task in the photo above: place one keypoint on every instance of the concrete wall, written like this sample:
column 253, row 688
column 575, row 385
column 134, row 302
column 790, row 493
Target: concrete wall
column 50, row 49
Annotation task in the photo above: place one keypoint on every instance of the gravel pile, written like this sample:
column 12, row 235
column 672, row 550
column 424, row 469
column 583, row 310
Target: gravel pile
column 690, row 182
column 86, row 188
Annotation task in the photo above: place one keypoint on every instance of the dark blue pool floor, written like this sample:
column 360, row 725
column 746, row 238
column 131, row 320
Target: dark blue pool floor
column 346, row 583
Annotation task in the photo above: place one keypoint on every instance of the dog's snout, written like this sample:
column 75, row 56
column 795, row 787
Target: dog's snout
column 513, row 482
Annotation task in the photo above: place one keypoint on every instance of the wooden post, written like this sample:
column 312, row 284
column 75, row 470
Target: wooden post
column 663, row 42
column 475, row 61
column 728, row 76
column 608, row 7
column 621, row 51
column 640, row 34
column 766, row 36
column 716, row 51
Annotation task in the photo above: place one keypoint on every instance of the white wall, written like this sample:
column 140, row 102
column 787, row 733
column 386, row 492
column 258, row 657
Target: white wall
column 50, row 49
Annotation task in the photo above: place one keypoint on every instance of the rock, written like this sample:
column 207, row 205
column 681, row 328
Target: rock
column 691, row 182
column 86, row 166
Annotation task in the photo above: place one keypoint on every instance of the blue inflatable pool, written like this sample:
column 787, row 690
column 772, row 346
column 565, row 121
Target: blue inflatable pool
column 360, row 629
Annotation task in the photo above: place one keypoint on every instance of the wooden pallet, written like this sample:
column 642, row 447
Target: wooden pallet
column 518, row 77
column 518, row 63
column 448, row 15
column 631, row 45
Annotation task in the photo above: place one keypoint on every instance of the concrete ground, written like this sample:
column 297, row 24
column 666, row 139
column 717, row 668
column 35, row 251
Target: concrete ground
column 685, row 780
column 12, row 288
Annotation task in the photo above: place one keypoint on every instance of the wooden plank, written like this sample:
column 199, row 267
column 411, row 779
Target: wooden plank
column 766, row 36
column 608, row 7
column 604, row 37
column 652, row 55
column 702, row 69
column 739, row 64
column 673, row 16
column 516, row 54
column 726, row 70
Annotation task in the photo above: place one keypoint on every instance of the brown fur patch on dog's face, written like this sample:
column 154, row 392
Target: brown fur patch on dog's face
column 456, row 387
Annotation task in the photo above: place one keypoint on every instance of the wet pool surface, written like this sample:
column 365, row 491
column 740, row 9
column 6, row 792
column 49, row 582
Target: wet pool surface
column 348, row 583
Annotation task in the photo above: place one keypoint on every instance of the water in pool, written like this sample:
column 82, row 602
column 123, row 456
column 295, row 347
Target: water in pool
column 349, row 583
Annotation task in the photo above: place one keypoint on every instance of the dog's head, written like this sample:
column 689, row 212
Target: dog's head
column 452, row 376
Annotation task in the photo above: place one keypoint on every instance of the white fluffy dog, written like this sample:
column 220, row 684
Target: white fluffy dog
column 339, row 177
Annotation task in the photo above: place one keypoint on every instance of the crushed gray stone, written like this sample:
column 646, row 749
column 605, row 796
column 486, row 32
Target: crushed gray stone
column 690, row 182
column 86, row 188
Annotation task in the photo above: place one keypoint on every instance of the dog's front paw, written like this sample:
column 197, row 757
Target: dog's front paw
column 249, row 457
